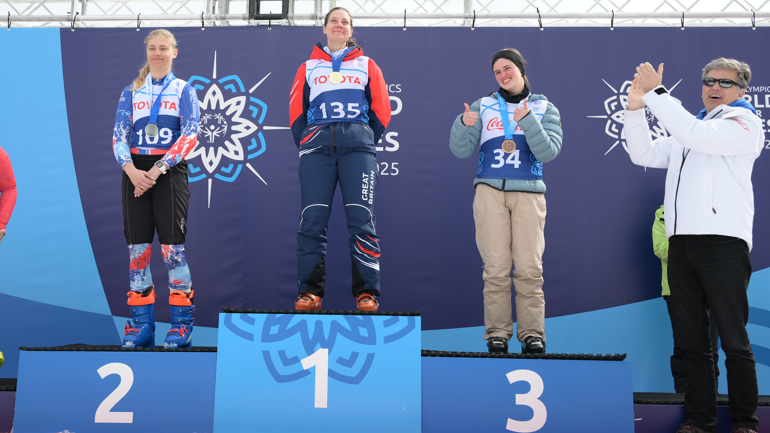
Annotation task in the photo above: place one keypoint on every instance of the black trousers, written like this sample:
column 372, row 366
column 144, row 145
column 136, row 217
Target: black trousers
column 711, row 273
column 677, row 360
column 163, row 207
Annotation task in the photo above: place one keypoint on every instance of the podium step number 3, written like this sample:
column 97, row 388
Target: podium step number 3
column 530, row 399
column 526, row 395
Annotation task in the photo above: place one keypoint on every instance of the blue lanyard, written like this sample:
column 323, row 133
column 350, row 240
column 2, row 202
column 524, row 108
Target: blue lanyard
column 337, row 63
column 508, row 126
column 156, row 106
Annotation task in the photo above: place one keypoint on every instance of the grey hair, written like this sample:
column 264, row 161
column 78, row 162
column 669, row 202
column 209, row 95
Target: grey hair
column 743, row 70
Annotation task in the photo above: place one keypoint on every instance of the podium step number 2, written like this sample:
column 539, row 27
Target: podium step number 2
column 103, row 413
column 114, row 391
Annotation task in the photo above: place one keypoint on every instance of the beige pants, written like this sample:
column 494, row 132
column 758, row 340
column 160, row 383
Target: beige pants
column 509, row 231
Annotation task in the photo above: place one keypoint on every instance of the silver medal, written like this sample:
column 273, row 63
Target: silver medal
column 151, row 129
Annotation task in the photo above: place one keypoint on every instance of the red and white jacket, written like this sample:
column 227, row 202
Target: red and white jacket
column 361, row 97
column 7, row 189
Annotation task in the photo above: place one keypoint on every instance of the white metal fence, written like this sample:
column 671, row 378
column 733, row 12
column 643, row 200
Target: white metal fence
column 396, row 13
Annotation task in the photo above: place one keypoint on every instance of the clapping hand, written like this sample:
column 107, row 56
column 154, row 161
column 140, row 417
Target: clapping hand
column 647, row 77
column 469, row 117
column 635, row 94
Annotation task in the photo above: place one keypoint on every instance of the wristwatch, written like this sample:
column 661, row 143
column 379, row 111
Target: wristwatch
column 161, row 166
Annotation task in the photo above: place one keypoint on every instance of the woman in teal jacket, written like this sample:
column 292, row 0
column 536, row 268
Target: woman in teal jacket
column 516, row 132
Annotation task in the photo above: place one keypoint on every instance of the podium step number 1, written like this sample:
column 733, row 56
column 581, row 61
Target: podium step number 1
column 340, row 372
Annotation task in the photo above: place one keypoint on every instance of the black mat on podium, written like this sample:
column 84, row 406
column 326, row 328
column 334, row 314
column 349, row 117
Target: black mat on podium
column 7, row 384
column 563, row 356
column 102, row 348
column 322, row 312
column 663, row 398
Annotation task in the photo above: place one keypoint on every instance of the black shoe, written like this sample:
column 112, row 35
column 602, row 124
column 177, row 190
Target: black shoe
column 497, row 345
column 533, row 345
column 742, row 430
column 689, row 428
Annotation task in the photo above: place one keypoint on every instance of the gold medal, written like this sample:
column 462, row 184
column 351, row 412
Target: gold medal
column 335, row 78
column 509, row 146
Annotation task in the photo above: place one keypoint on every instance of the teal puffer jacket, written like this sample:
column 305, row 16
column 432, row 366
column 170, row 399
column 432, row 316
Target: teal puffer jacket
column 544, row 140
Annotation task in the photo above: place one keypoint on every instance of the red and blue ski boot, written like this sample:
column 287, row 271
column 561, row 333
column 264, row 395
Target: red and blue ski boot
column 140, row 331
column 180, row 334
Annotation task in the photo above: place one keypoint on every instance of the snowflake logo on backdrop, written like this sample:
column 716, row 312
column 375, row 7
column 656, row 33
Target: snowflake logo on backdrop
column 229, row 134
column 350, row 340
column 615, row 105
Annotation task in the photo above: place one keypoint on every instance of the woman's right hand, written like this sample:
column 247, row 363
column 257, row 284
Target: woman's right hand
column 141, row 181
column 469, row 117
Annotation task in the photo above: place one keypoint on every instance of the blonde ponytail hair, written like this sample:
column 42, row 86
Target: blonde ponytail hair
column 139, row 80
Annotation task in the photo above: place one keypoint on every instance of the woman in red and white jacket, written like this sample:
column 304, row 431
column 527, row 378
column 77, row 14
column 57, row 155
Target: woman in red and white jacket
column 339, row 109
column 156, row 126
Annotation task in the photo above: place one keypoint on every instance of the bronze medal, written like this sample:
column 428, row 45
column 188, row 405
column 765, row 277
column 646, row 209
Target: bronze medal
column 335, row 78
column 509, row 146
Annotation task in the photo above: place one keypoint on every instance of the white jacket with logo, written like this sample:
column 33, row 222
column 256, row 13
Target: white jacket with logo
column 709, row 161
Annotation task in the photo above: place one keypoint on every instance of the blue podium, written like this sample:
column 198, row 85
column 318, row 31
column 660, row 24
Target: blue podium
column 524, row 394
column 290, row 372
column 318, row 372
column 114, row 390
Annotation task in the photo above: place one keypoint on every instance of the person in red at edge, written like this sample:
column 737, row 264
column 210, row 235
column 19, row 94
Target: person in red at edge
column 7, row 198
column 7, row 192
column 338, row 110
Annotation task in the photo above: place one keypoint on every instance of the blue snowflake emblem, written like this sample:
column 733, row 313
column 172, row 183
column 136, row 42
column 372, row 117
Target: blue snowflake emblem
column 351, row 341
column 230, row 129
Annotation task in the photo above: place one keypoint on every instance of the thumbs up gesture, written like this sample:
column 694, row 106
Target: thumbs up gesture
column 469, row 117
column 520, row 112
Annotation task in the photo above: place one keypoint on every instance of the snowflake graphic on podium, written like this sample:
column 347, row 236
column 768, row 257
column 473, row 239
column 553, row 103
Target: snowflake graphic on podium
column 350, row 340
column 229, row 134
column 615, row 107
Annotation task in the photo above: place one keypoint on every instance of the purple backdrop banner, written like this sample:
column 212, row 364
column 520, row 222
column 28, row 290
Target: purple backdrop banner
column 245, row 204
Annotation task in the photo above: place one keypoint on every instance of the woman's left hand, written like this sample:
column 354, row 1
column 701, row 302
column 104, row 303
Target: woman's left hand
column 520, row 112
column 151, row 175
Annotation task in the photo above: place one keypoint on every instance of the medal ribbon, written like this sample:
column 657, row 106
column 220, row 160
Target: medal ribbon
column 508, row 126
column 337, row 63
column 156, row 106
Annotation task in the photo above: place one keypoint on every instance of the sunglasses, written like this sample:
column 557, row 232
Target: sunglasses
column 724, row 82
